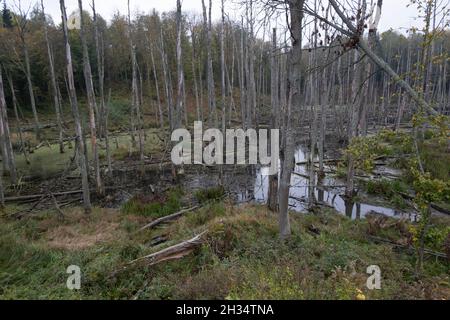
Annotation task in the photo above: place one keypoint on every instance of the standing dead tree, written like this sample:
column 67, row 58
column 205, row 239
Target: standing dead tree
column 207, row 25
column 53, row 81
column 273, row 179
column 21, row 20
column 7, row 151
column 357, row 41
column 92, row 103
column 16, row 114
column 81, row 147
column 136, row 117
column 294, row 104
column 180, row 72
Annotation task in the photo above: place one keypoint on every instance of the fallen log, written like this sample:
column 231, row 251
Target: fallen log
column 45, row 126
column 38, row 196
column 407, row 247
column 304, row 176
column 324, row 161
column 175, row 252
column 167, row 218
column 433, row 205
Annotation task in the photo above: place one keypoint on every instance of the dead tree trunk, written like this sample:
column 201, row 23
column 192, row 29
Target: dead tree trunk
column 16, row 114
column 53, row 82
column 211, row 87
column 167, row 81
column 76, row 115
column 158, row 96
column 136, row 119
column 242, row 77
column 8, row 156
column 101, row 74
column 180, row 72
column 294, row 104
column 362, row 44
column 30, row 85
column 194, row 77
column 92, row 104
column 273, row 179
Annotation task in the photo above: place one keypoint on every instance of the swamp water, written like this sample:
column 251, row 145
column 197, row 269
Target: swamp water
column 252, row 184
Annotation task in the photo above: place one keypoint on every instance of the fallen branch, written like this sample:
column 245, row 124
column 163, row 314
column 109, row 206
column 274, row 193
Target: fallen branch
column 38, row 196
column 324, row 161
column 433, row 205
column 167, row 218
column 175, row 252
column 407, row 247
column 304, row 176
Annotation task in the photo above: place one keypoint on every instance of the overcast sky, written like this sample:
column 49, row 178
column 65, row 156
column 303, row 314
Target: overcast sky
column 396, row 15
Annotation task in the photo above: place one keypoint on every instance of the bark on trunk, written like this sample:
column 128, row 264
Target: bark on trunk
column 76, row 115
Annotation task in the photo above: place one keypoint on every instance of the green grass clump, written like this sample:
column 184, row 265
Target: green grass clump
column 436, row 159
column 390, row 190
column 386, row 188
column 210, row 194
column 156, row 207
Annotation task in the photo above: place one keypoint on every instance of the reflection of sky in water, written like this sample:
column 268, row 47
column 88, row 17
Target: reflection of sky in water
column 253, row 184
column 299, row 193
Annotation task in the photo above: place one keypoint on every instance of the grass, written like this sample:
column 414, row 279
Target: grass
column 154, row 206
column 48, row 161
column 210, row 194
column 436, row 159
column 242, row 258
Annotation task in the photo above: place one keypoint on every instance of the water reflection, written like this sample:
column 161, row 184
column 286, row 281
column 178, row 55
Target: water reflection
column 252, row 184
column 328, row 192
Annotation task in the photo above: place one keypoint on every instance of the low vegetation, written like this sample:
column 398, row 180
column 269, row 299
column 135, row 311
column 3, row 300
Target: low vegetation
column 241, row 258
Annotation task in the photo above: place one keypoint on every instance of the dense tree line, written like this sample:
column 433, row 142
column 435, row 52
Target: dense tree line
column 154, row 31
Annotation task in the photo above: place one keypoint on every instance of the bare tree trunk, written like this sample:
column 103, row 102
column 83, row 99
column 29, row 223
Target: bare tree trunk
column 16, row 113
column 167, row 81
column 107, row 146
column 30, row 87
column 136, row 119
column 194, row 77
column 273, row 179
column 180, row 71
column 353, row 124
column 251, row 93
column 101, row 74
column 294, row 85
column 92, row 104
column 53, row 82
column 211, row 87
column 155, row 77
column 362, row 44
column 6, row 136
column 242, row 78
column 74, row 103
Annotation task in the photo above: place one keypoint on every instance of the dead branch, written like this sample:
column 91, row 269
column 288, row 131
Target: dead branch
column 167, row 218
column 407, row 247
column 175, row 252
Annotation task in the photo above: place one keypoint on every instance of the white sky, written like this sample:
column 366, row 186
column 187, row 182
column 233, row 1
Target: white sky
column 396, row 15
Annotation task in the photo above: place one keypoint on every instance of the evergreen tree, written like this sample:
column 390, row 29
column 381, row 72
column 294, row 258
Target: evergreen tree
column 6, row 17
